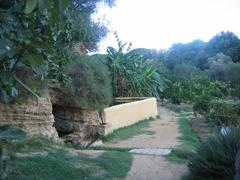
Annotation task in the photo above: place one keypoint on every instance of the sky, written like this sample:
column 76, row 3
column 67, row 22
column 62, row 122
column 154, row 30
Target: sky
column 157, row 24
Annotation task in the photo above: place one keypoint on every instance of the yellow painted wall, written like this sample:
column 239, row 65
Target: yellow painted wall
column 129, row 113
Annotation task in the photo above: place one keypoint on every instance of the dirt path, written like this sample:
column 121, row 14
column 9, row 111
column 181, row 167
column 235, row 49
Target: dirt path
column 164, row 134
column 147, row 167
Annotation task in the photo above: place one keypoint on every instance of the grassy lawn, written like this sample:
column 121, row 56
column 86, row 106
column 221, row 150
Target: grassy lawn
column 189, row 140
column 43, row 159
column 130, row 131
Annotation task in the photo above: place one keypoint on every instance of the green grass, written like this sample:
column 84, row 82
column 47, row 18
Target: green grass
column 130, row 131
column 190, row 141
column 60, row 163
column 189, row 138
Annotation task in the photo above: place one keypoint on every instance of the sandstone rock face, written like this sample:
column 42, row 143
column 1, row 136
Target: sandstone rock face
column 33, row 116
column 71, row 119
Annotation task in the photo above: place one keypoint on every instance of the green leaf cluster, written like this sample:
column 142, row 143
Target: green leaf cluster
column 131, row 76
column 39, row 36
column 36, row 35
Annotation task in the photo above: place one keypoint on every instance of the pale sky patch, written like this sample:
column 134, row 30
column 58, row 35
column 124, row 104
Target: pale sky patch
column 160, row 23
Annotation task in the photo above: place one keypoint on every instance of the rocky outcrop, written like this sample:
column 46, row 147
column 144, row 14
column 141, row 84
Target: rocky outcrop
column 76, row 122
column 56, row 111
column 34, row 116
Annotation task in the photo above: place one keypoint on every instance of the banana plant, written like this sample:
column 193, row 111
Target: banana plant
column 131, row 76
column 7, row 133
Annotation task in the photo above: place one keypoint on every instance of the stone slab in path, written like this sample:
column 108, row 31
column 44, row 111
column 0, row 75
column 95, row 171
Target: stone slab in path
column 147, row 167
column 151, row 151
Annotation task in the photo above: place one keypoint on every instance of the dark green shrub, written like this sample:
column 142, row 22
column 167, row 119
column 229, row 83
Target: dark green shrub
column 225, row 112
column 199, row 90
column 202, row 90
column 90, row 86
column 215, row 157
column 175, row 91
column 202, row 104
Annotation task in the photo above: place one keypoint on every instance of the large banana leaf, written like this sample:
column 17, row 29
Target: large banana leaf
column 131, row 76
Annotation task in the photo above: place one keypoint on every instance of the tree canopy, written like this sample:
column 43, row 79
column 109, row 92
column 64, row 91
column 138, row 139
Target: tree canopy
column 38, row 36
column 227, row 43
column 197, row 52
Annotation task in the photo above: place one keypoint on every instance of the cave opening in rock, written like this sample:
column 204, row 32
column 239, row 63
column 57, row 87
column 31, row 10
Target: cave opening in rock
column 60, row 124
column 75, row 121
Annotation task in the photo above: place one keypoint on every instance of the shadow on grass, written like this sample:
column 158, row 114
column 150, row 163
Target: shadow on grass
column 59, row 163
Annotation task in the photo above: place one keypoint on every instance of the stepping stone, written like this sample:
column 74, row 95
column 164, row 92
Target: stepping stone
column 152, row 151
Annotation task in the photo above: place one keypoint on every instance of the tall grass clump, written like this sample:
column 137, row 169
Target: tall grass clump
column 215, row 157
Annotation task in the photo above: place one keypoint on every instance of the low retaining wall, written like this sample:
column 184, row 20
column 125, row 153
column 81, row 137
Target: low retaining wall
column 129, row 113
